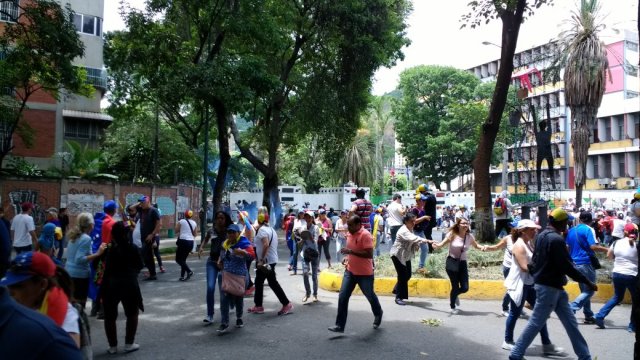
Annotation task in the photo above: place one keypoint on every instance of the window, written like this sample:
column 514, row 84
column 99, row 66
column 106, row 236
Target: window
column 9, row 10
column 82, row 129
column 621, row 167
column 607, row 130
column 628, row 94
column 631, row 46
column 620, row 126
column 608, row 166
column 96, row 77
column 596, row 172
column 88, row 24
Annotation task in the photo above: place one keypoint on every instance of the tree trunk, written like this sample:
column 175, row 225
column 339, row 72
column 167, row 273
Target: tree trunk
column 581, row 119
column 511, row 20
column 222, row 124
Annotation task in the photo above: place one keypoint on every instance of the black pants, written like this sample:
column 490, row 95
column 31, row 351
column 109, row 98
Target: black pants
column 248, row 262
column 273, row 284
column 156, row 250
column 80, row 290
column 184, row 247
column 147, row 257
column 459, row 282
column 324, row 245
column 404, row 274
column 635, row 319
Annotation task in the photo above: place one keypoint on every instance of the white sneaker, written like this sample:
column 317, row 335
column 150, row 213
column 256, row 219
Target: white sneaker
column 552, row 350
column 112, row 350
column 504, row 313
column 507, row 345
column 131, row 347
column 455, row 311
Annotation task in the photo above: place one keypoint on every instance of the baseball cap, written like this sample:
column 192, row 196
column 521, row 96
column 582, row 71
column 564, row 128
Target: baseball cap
column 110, row 205
column 26, row 265
column 26, row 206
column 143, row 198
column 322, row 211
column 559, row 214
column 188, row 213
column 631, row 230
column 527, row 224
column 233, row 227
column 586, row 217
column 310, row 213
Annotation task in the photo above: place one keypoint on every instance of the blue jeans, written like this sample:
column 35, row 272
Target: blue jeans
column 225, row 303
column 349, row 282
column 550, row 299
column 506, row 300
column 584, row 299
column 21, row 249
column 213, row 275
column 528, row 295
column 313, row 264
column 379, row 238
column 424, row 250
column 620, row 285
column 394, row 232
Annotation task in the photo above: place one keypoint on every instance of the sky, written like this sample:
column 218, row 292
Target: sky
column 436, row 37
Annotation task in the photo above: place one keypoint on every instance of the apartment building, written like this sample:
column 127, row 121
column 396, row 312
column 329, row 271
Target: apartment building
column 613, row 161
column 71, row 117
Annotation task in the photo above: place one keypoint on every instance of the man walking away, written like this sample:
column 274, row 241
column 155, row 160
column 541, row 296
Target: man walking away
column 363, row 208
column 149, row 226
column 550, row 266
column 23, row 230
column 359, row 272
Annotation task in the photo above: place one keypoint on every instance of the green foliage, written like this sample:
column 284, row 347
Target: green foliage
column 129, row 143
column 390, row 186
column 21, row 167
column 80, row 161
column 38, row 48
column 484, row 11
column 438, row 120
column 242, row 176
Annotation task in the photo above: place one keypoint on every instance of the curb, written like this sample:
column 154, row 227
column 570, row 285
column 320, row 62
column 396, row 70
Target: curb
column 440, row 288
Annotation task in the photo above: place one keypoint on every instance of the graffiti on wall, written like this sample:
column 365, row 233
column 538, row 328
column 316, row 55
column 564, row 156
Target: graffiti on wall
column 17, row 197
column 84, row 191
column 182, row 205
column 166, row 205
column 79, row 203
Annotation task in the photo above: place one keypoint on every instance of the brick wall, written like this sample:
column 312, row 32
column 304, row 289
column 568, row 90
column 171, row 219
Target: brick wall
column 43, row 124
column 87, row 196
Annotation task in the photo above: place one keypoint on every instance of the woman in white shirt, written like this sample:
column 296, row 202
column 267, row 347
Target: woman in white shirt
column 341, row 230
column 625, row 268
column 187, row 231
column 402, row 251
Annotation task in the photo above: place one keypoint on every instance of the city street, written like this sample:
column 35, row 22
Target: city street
column 172, row 327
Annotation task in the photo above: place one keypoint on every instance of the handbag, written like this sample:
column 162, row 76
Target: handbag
column 233, row 284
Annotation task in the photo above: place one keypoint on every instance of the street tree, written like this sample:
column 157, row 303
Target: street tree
column 357, row 165
column 438, row 121
column 38, row 45
column 511, row 13
column 583, row 57
column 321, row 57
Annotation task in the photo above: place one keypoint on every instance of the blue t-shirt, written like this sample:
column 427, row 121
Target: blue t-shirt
column 579, row 239
column 77, row 251
column 26, row 334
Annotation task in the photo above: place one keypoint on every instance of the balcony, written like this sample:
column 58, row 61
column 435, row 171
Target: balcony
column 97, row 78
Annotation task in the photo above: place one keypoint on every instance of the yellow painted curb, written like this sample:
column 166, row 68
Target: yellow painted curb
column 440, row 288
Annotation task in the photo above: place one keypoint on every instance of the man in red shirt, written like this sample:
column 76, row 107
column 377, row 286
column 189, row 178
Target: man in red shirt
column 107, row 223
column 359, row 272
column 362, row 207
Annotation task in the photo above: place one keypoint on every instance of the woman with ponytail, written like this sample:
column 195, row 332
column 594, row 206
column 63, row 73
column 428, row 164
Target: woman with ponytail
column 187, row 232
column 625, row 269
column 79, row 256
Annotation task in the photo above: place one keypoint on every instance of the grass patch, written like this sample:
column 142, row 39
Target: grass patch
column 168, row 250
column 482, row 266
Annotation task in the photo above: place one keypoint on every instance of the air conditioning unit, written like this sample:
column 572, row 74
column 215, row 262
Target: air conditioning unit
column 630, row 183
column 605, row 181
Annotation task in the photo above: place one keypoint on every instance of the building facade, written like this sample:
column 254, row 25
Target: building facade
column 71, row 117
column 613, row 161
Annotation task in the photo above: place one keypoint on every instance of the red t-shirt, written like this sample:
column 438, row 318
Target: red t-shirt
column 107, row 225
column 361, row 240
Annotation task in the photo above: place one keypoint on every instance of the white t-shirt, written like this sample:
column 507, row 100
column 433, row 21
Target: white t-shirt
column 272, row 237
column 395, row 214
column 626, row 258
column 618, row 228
column 70, row 323
column 507, row 260
column 136, row 237
column 185, row 231
column 22, row 225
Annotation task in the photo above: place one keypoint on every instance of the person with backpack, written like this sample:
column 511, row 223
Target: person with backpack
column 503, row 211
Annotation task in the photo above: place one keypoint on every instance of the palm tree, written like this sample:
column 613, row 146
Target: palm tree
column 584, row 59
column 357, row 164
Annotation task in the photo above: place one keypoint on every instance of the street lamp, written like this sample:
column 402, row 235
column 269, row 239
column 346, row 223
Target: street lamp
column 490, row 43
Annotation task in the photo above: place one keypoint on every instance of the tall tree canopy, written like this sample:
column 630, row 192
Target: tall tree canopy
column 38, row 47
column 438, row 121
column 322, row 57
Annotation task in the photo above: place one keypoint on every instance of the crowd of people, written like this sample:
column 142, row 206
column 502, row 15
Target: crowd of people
column 105, row 257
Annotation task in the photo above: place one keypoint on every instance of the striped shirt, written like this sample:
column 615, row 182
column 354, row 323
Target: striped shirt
column 364, row 209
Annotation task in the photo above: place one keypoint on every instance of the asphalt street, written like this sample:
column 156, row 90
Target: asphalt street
column 171, row 326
